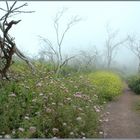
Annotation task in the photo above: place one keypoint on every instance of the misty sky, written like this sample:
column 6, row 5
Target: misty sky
column 89, row 32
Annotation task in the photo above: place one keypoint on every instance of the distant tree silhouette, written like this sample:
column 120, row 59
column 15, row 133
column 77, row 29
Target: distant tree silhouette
column 111, row 45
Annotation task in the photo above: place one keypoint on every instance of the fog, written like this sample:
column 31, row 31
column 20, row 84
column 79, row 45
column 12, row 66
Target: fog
column 89, row 32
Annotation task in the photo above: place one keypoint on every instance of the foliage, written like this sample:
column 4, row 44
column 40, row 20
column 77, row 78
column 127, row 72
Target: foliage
column 108, row 84
column 43, row 106
column 134, row 83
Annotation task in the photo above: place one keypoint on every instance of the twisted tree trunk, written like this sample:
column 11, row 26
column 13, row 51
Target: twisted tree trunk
column 7, row 45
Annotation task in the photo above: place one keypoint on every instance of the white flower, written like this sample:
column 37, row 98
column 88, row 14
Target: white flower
column 26, row 117
column 12, row 95
column 34, row 100
column 95, row 95
column 54, row 137
column 55, row 130
column 71, row 133
column 64, row 124
column 41, row 94
column 32, row 129
column 96, row 109
column 21, row 129
column 106, row 120
column 82, row 133
column 48, row 110
column 78, row 118
column 7, row 136
column 27, row 87
column 80, row 109
column 100, row 132
column 0, row 136
column 37, row 113
column 53, row 103
column 39, row 84
column 13, row 131
column 100, row 120
column 90, row 101
column 69, row 99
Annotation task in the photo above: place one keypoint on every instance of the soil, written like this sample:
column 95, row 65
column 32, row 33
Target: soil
column 121, row 120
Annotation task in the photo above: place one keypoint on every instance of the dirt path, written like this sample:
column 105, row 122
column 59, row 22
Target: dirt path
column 122, row 120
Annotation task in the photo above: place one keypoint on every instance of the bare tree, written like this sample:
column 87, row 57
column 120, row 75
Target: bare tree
column 7, row 44
column 55, row 52
column 111, row 45
column 134, row 45
column 88, row 59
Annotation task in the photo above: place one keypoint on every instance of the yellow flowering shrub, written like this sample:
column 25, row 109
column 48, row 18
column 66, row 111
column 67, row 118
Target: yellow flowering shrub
column 107, row 84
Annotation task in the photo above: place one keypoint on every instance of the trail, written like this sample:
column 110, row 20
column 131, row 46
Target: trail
column 122, row 120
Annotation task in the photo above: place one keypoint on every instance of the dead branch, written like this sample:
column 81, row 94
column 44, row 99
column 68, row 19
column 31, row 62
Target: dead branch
column 56, row 51
column 7, row 45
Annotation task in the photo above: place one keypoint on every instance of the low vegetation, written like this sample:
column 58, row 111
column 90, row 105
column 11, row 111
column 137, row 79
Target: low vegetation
column 108, row 84
column 45, row 106
column 134, row 83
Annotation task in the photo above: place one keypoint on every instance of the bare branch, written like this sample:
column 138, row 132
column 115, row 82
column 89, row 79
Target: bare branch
column 111, row 46
column 7, row 5
column 13, row 5
column 7, row 45
column 49, row 43
column 119, row 43
column 9, row 25
column 66, row 60
column 2, row 9
column 25, row 4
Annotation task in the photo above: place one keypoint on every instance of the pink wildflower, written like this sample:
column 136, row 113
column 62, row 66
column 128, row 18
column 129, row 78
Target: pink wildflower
column 21, row 129
column 78, row 95
column 55, row 130
column 32, row 129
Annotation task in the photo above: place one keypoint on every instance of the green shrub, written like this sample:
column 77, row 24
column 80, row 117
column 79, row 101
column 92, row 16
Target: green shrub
column 42, row 106
column 108, row 84
column 134, row 83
